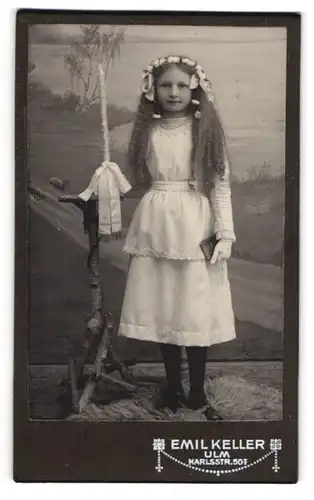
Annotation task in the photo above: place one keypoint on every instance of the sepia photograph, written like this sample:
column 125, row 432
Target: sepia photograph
column 156, row 212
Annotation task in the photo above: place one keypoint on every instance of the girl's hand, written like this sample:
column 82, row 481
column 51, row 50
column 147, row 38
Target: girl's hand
column 222, row 251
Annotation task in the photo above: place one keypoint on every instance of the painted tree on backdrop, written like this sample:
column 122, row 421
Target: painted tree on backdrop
column 94, row 45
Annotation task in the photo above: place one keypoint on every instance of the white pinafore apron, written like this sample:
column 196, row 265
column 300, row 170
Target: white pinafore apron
column 173, row 295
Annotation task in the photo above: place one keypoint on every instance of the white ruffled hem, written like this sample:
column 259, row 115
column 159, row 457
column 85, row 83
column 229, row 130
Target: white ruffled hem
column 160, row 254
column 177, row 337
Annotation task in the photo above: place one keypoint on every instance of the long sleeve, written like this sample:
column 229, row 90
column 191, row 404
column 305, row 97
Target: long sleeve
column 220, row 199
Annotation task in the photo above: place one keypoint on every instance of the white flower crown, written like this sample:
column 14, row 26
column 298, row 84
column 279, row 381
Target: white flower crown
column 198, row 77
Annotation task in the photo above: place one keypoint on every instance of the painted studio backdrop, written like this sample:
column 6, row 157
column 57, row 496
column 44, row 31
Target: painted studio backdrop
column 247, row 68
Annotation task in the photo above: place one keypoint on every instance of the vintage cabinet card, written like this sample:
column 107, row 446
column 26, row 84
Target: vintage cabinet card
column 157, row 188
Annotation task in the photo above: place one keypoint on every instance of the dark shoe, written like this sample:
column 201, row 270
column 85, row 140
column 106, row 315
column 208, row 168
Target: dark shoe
column 211, row 414
column 197, row 400
column 174, row 400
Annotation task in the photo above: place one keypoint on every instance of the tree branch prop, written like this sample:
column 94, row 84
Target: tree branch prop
column 100, row 327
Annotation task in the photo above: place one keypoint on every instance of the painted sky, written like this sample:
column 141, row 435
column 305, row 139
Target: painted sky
column 218, row 33
column 247, row 67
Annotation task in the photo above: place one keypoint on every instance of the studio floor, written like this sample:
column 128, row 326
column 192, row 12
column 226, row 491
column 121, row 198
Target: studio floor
column 237, row 390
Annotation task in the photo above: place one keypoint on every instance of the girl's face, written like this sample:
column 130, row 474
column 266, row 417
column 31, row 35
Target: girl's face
column 173, row 91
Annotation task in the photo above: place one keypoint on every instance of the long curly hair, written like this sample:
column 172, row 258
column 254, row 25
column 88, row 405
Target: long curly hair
column 208, row 138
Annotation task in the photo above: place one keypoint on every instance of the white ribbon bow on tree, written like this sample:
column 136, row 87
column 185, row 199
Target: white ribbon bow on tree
column 108, row 182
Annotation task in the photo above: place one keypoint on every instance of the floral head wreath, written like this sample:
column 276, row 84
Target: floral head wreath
column 198, row 77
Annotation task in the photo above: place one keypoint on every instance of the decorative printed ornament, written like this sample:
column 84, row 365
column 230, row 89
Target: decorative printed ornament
column 239, row 465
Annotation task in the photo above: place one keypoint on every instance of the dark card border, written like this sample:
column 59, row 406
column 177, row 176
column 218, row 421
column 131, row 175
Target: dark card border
column 122, row 451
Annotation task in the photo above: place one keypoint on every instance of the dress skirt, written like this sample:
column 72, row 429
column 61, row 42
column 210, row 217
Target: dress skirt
column 173, row 295
column 182, row 302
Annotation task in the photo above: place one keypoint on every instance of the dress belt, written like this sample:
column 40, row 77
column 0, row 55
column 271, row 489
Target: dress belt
column 176, row 186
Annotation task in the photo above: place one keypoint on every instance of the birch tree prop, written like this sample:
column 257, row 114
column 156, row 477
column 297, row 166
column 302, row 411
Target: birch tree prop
column 103, row 112
column 101, row 207
column 108, row 182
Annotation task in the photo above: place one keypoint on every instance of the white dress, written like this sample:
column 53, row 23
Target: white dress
column 173, row 295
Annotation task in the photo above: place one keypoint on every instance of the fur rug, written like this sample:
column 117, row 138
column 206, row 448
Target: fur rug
column 230, row 395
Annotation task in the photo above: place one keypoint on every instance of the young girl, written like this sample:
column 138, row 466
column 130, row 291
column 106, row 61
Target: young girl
column 176, row 295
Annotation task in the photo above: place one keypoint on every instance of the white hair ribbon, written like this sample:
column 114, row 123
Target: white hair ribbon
column 207, row 88
column 194, row 83
column 148, row 87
